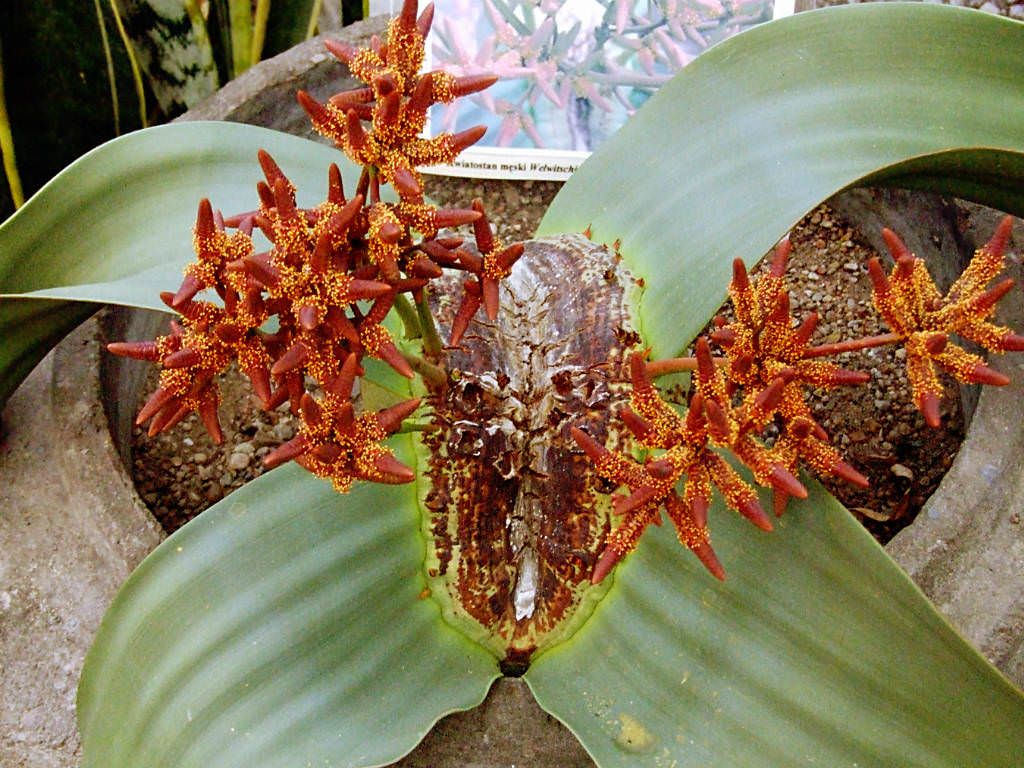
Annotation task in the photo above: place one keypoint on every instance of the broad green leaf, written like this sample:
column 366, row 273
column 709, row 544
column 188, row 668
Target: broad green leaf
column 286, row 626
column 723, row 160
column 816, row 650
column 116, row 225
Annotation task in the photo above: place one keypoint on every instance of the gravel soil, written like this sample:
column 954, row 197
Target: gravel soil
column 180, row 473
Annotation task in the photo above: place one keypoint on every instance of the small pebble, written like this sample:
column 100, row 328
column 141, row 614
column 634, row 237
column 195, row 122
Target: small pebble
column 239, row 460
column 214, row 492
column 283, row 431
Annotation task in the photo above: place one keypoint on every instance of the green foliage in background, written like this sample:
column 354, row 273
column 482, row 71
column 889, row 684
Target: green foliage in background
column 78, row 72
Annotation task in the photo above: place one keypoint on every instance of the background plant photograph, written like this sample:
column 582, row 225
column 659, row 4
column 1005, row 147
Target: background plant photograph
column 571, row 72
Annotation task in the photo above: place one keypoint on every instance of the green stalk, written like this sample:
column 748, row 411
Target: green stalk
column 259, row 30
column 314, row 18
column 7, row 146
column 240, row 19
column 432, row 343
column 408, row 427
column 408, row 316
column 432, row 374
column 140, row 91
column 111, row 75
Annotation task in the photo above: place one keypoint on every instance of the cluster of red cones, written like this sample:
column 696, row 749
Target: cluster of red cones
column 760, row 382
column 333, row 272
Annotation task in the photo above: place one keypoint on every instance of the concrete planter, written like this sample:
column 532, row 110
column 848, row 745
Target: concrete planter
column 72, row 526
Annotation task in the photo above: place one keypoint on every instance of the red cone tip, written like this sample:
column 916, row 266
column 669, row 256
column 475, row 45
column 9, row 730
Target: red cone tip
column 422, row 266
column 260, row 378
column 623, row 505
column 982, row 374
column 638, row 425
column 467, row 309
column 699, row 510
column 588, row 445
column 314, row 108
column 1012, row 342
column 609, row 558
column 784, row 480
column 393, row 471
column 751, row 509
column 468, row 138
column 780, row 500
column 138, row 350
column 407, row 15
column 208, row 414
column 849, row 474
column 510, row 255
column 992, row 296
column 707, row 556
column 341, row 385
column 344, row 52
column 806, row 329
column 877, row 275
column 285, row 452
column 740, row 279
column 312, row 413
column 781, row 257
column 406, row 183
column 844, row 376
column 928, row 404
column 204, row 218
column 997, row 243
column 454, row 217
column 895, row 245
column 390, row 419
column 425, row 20
column 156, row 402
column 468, row 84
column 189, row 288
column 271, row 170
column 489, row 291
column 292, row 359
column 183, row 358
column 389, row 354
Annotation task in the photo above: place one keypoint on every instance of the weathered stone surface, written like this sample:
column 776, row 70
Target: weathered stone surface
column 71, row 530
